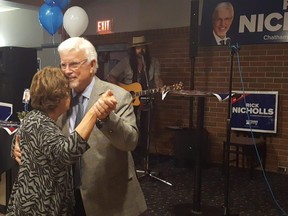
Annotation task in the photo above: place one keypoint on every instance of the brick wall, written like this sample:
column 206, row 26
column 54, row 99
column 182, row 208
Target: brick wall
column 264, row 68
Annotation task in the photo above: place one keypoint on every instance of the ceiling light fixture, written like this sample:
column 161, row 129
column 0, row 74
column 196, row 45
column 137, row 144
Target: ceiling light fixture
column 4, row 8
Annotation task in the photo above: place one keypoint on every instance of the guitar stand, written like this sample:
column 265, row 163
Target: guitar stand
column 149, row 173
column 146, row 171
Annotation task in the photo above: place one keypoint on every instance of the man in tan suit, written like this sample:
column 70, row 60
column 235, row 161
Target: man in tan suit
column 109, row 184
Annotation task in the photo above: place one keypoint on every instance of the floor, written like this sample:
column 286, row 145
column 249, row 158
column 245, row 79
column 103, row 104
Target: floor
column 264, row 195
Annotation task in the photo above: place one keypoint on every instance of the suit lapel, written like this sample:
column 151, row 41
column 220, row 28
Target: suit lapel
column 96, row 92
column 63, row 123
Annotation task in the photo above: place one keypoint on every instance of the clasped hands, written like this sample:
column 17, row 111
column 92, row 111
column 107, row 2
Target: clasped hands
column 105, row 104
column 102, row 108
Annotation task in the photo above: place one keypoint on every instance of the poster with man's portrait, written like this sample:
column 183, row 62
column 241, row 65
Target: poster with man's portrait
column 243, row 22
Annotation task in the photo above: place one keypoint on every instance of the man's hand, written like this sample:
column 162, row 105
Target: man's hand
column 105, row 104
column 17, row 152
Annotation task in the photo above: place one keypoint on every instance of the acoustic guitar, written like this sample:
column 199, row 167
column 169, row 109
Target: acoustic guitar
column 136, row 91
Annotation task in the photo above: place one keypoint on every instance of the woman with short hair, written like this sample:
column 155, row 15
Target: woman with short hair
column 44, row 182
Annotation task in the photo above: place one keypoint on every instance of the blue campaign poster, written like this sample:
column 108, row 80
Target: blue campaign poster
column 243, row 22
column 255, row 110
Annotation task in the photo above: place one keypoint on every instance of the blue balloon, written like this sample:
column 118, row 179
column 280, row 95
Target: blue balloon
column 50, row 2
column 62, row 3
column 51, row 18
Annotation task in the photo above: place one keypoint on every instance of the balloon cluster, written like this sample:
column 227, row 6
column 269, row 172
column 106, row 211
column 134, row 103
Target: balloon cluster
column 75, row 19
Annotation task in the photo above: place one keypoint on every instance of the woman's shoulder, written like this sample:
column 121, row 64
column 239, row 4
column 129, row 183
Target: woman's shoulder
column 37, row 119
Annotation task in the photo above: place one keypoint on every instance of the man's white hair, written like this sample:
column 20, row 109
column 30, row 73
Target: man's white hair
column 79, row 44
column 226, row 5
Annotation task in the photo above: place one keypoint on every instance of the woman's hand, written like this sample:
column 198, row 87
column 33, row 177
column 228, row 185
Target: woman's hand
column 17, row 151
column 105, row 104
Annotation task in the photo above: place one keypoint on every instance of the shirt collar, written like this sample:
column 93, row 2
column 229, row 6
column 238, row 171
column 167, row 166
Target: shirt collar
column 218, row 39
column 87, row 91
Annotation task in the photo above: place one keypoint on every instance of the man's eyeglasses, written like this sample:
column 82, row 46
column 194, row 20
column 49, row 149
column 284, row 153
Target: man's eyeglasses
column 72, row 65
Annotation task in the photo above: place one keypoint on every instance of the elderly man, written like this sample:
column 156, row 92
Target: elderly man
column 222, row 19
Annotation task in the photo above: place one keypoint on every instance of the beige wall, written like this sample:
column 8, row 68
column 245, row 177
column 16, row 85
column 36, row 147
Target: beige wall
column 20, row 28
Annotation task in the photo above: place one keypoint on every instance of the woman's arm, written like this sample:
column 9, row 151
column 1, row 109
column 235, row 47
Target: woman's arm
column 15, row 149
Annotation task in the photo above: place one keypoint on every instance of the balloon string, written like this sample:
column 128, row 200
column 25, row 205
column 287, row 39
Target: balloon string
column 54, row 50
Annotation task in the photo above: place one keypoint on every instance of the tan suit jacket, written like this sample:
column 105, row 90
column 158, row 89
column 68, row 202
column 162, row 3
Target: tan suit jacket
column 109, row 182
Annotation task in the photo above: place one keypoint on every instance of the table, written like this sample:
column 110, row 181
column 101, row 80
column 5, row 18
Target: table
column 195, row 208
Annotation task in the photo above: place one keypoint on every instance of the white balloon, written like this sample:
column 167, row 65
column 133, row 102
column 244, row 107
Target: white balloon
column 75, row 21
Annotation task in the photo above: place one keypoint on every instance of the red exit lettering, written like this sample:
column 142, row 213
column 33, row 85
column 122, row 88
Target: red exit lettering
column 104, row 26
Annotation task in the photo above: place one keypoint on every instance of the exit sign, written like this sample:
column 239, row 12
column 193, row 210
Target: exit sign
column 104, row 27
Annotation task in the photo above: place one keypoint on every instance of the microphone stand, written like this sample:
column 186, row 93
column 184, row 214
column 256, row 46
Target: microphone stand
column 233, row 49
column 146, row 171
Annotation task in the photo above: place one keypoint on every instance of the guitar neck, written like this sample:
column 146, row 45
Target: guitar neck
column 147, row 92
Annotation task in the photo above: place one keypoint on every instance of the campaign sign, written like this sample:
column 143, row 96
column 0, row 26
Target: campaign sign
column 243, row 22
column 255, row 110
column 6, row 110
